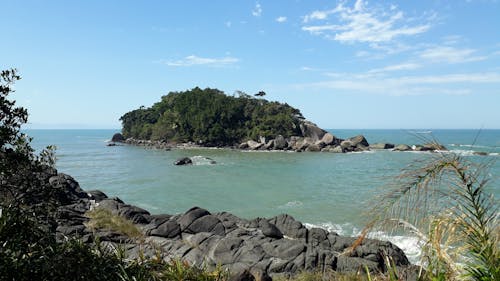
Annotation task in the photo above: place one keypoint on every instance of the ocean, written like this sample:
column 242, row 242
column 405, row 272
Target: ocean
column 327, row 190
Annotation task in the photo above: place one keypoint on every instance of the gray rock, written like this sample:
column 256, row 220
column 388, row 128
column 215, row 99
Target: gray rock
column 381, row 145
column 289, row 226
column 183, row 161
column 280, row 142
column 357, row 143
column 190, row 216
column 311, row 130
column 269, row 145
column 433, row 146
column 270, row 230
column 118, row 138
column 329, row 139
column 168, row 229
column 133, row 213
column 253, row 145
column 402, row 147
column 313, row 148
column 207, row 223
column 97, row 195
column 243, row 145
column 284, row 248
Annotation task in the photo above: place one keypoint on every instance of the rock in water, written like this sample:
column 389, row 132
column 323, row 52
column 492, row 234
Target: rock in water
column 402, row 147
column 183, row 161
column 382, row 145
column 118, row 138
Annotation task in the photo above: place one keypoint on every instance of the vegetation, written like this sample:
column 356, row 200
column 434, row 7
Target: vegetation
column 211, row 118
column 28, row 246
column 445, row 201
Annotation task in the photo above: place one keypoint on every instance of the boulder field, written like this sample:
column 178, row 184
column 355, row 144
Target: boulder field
column 260, row 247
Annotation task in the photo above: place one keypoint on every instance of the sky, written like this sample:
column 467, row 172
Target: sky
column 344, row 64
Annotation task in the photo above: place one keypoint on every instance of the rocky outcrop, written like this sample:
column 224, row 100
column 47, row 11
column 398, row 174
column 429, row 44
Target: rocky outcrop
column 118, row 138
column 402, row 147
column 357, row 143
column 381, row 145
column 262, row 247
column 311, row 130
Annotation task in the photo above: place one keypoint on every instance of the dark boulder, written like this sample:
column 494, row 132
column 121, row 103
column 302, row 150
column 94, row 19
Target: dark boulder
column 183, row 161
column 97, row 195
column 270, row 230
column 118, row 138
column 168, row 229
column 289, row 226
column 208, row 223
column 190, row 216
column 67, row 190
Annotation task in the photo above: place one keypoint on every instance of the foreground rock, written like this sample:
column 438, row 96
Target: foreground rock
column 263, row 247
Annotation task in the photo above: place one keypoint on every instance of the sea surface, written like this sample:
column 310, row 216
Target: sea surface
column 329, row 190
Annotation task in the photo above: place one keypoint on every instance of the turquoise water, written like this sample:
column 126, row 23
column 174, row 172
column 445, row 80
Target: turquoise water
column 324, row 189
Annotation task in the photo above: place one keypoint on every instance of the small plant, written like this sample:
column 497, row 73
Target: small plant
column 104, row 219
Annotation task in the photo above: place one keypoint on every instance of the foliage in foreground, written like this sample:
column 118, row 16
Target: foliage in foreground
column 210, row 117
column 28, row 246
column 445, row 201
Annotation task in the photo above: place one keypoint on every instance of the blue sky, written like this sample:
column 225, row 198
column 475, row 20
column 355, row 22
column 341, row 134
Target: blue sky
column 344, row 64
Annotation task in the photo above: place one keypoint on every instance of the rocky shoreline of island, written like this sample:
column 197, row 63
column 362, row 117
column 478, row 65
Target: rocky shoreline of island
column 313, row 139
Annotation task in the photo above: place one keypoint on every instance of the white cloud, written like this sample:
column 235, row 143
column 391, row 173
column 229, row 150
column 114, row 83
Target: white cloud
column 193, row 60
column 281, row 19
column 366, row 83
column 449, row 55
column 362, row 24
column 257, row 11
column 396, row 67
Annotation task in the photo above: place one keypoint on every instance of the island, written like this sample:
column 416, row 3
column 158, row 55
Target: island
column 210, row 118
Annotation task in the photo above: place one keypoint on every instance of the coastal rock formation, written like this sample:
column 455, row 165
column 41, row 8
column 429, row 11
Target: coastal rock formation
column 357, row 143
column 263, row 247
column 183, row 161
column 381, row 145
column 118, row 137
column 402, row 147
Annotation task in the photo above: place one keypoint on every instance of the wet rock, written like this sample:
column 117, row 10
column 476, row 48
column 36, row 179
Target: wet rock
column 183, row 161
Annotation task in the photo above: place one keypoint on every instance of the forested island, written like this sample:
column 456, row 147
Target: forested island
column 211, row 118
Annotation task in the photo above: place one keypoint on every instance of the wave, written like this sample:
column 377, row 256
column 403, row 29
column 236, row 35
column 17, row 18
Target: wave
column 291, row 204
column 202, row 160
column 411, row 245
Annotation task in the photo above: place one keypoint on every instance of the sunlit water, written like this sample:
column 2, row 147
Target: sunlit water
column 329, row 190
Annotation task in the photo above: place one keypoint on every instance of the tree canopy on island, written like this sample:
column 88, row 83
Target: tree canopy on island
column 210, row 117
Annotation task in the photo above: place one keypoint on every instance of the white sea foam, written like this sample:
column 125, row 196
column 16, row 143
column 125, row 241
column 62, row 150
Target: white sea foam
column 202, row 160
column 291, row 204
column 411, row 245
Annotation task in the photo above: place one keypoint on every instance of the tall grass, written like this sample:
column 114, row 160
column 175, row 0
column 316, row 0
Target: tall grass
column 444, row 199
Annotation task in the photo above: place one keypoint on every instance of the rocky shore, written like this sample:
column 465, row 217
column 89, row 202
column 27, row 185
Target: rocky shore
column 313, row 139
column 260, row 248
